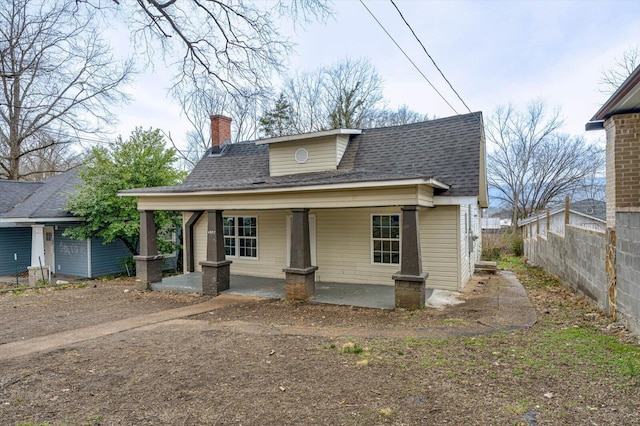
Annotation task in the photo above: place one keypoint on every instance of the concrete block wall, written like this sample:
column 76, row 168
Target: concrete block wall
column 628, row 267
column 577, row 258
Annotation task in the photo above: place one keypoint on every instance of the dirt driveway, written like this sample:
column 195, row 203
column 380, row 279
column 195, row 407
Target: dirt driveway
column 290, row 363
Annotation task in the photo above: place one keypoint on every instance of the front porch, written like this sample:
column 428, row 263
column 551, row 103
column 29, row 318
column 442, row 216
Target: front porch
column 362, row 295
column 255, row 244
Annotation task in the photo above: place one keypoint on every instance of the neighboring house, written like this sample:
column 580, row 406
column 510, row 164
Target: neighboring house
column 588, row 214
column 32, row 223
column 375, row 206
column 620, row 118
column 491, row 224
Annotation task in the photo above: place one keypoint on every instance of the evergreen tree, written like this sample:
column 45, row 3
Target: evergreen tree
column 277, row 122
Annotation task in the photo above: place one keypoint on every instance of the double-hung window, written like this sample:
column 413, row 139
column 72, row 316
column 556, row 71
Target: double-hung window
column 241, row 236
column 385, row 238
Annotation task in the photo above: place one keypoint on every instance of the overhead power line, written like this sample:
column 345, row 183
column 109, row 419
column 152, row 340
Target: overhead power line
column 408, row 58
column 425, row 51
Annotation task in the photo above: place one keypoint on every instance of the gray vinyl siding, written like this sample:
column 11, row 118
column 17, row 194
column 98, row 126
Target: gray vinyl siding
column 14, row 240
column 106, row 259
column 169, row 263
column 70, row 254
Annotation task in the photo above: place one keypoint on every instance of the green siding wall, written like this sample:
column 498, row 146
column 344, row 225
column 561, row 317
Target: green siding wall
column 70, row 255
column 14, row 240
column 106, row 259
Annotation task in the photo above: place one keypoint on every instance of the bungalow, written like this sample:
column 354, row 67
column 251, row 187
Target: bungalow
column 397, row 206
column 32, row 225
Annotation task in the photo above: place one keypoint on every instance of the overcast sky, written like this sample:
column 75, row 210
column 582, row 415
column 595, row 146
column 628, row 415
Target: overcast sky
column 493, row 53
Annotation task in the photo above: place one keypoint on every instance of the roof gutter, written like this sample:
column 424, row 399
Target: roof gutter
column 350, row 185
column 608, row 109
column 40, row 219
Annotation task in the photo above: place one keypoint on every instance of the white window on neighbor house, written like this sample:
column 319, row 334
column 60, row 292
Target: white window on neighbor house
column 241, row 236
column 385, row 239
column 168, row 235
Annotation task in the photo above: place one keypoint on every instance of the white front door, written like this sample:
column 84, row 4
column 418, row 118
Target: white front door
column 312, row 238
column 49, row 245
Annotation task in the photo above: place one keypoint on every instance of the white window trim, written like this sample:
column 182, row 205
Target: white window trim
column 387, row 239
column 237, row 237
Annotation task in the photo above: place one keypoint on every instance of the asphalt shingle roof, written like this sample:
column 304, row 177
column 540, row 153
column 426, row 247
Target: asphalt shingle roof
column 46, row 201
column 446, row 149
column 13, row 192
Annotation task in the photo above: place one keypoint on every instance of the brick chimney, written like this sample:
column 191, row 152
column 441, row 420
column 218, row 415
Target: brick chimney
column 220, row 132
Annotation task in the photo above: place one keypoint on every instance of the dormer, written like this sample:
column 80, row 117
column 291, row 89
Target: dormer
column 309, row 152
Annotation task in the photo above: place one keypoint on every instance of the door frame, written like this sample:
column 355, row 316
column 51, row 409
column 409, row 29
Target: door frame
column 49, row 248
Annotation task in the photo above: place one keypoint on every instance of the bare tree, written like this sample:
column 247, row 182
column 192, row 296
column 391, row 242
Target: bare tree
column 198, row 106
column 57, row 77
column 347, row 94
column 305, row 93
column 613, row 77
column 48, row 158
column 353, row 91
column 235, row 44
column 533, row 163
column 394, row 117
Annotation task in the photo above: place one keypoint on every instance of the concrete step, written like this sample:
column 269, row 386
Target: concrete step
column 484, row 267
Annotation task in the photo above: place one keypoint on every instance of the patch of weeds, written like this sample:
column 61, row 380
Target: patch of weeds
column 70, row 285
column 352, row 348
column 32, row 424
column 586, row 346
column 475, row 342
column 516, row 409
column 94, row 420
column 454, row 321
column 511, row 263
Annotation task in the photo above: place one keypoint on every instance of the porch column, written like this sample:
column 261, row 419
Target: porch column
column 410, row 280
column 148, row 262
column 38, row 261
column 300, row 281
column 215, row 270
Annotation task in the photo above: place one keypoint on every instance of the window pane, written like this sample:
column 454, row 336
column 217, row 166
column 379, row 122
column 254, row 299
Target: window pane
column 376, row 221
column 377, row 257
column 384, row 232
column 386, row 258
column 395, row 232
column 384, row 220
column 395, row 258
column 230, row 246
column 377, row 245
column 395, row 246
column 376, row 232
column 395, row 220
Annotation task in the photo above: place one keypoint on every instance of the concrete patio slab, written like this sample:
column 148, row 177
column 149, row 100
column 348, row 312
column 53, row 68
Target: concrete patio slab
column 362, row 295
